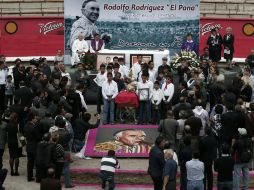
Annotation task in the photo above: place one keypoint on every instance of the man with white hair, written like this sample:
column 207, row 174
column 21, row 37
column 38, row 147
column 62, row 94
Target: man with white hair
column 79, row 48
column 86, row 23
column 170, row 171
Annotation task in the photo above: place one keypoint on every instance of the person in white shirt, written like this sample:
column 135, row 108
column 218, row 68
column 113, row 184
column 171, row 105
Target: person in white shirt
column 136, row 68
column 59, row 56
column 78, row 48
column 100, row 78
column 144, row 91
column 201, row 113
column 116, row 69
column 96, row 44
column 64, row 73
column 152, row 71
column 168, row 89
column 3, row 76
column 195, row 173
column 109, row 92
column 157, row 97
column 123, row 68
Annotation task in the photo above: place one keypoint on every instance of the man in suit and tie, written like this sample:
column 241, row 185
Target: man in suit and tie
column 208, row 153
column 157, row 163
column 50, row 182
column 25, row 94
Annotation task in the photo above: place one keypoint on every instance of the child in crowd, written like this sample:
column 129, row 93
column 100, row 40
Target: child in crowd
column 109, row 164
column 157, row 97
column 9, row 91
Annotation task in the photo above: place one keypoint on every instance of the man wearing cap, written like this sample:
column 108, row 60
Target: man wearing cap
column 79, row 48
column 86, row 23
column 164, row 67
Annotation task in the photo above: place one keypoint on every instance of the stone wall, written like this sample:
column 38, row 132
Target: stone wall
column 208, row 8
column 31, row 7
column 227, row 8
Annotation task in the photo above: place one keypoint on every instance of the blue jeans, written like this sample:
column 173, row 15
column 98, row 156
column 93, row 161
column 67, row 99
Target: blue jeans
column 108, row 111
column 195, row 185
column 225, row 185
column 244, row 167
column 66, row 173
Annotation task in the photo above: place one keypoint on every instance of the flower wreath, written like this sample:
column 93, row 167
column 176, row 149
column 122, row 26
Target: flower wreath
column 189, row 56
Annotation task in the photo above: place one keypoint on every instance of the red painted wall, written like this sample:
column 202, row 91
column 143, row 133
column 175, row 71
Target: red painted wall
column 243, row 43
column 35, row 36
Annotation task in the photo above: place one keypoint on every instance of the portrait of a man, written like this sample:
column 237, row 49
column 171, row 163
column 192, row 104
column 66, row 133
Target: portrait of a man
column 126, row 141
column 86, row 23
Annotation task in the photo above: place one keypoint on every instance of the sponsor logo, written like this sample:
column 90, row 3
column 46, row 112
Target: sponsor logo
column 208, row 27
column 50, row 26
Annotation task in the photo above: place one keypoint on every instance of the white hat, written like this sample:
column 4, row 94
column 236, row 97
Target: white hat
column 242, row 131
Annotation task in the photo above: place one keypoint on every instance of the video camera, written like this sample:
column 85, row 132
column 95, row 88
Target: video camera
column 36, row 62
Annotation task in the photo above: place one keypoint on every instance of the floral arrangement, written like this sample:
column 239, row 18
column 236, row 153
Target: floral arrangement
column 189, row 56
column 89, row 61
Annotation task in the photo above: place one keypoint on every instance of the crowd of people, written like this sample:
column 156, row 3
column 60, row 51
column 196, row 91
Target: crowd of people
column 206, row 122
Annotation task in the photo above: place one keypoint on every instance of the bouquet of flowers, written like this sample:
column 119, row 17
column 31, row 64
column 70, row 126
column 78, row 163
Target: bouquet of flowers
column 89, row 61
column 190, row 57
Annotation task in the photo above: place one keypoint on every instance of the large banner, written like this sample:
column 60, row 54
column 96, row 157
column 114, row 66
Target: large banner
column 243, row 30
column 31, row 36
column 134, row 24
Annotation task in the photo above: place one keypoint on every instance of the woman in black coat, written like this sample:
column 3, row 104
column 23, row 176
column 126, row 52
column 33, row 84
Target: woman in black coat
column 13, row 145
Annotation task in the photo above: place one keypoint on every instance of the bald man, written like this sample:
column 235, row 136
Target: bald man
column 86, row 23
column 170, row 171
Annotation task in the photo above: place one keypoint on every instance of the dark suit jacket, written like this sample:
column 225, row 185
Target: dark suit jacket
column 26, row 96
column 208, row 149
column 230, row 124
column 156, row 162
column 195, row 123
column 63, row 101
column 80, row 128
column 50, row 184
column 32, row 137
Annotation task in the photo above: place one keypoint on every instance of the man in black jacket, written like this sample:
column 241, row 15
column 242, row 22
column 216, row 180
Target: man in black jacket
column 157, row 163
column 224, row 166
column 64, row 140
column 45, row 157
column 80, row 128
column 208, row 153
column 32, row 138
column 185, row 154
column 25, row 94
